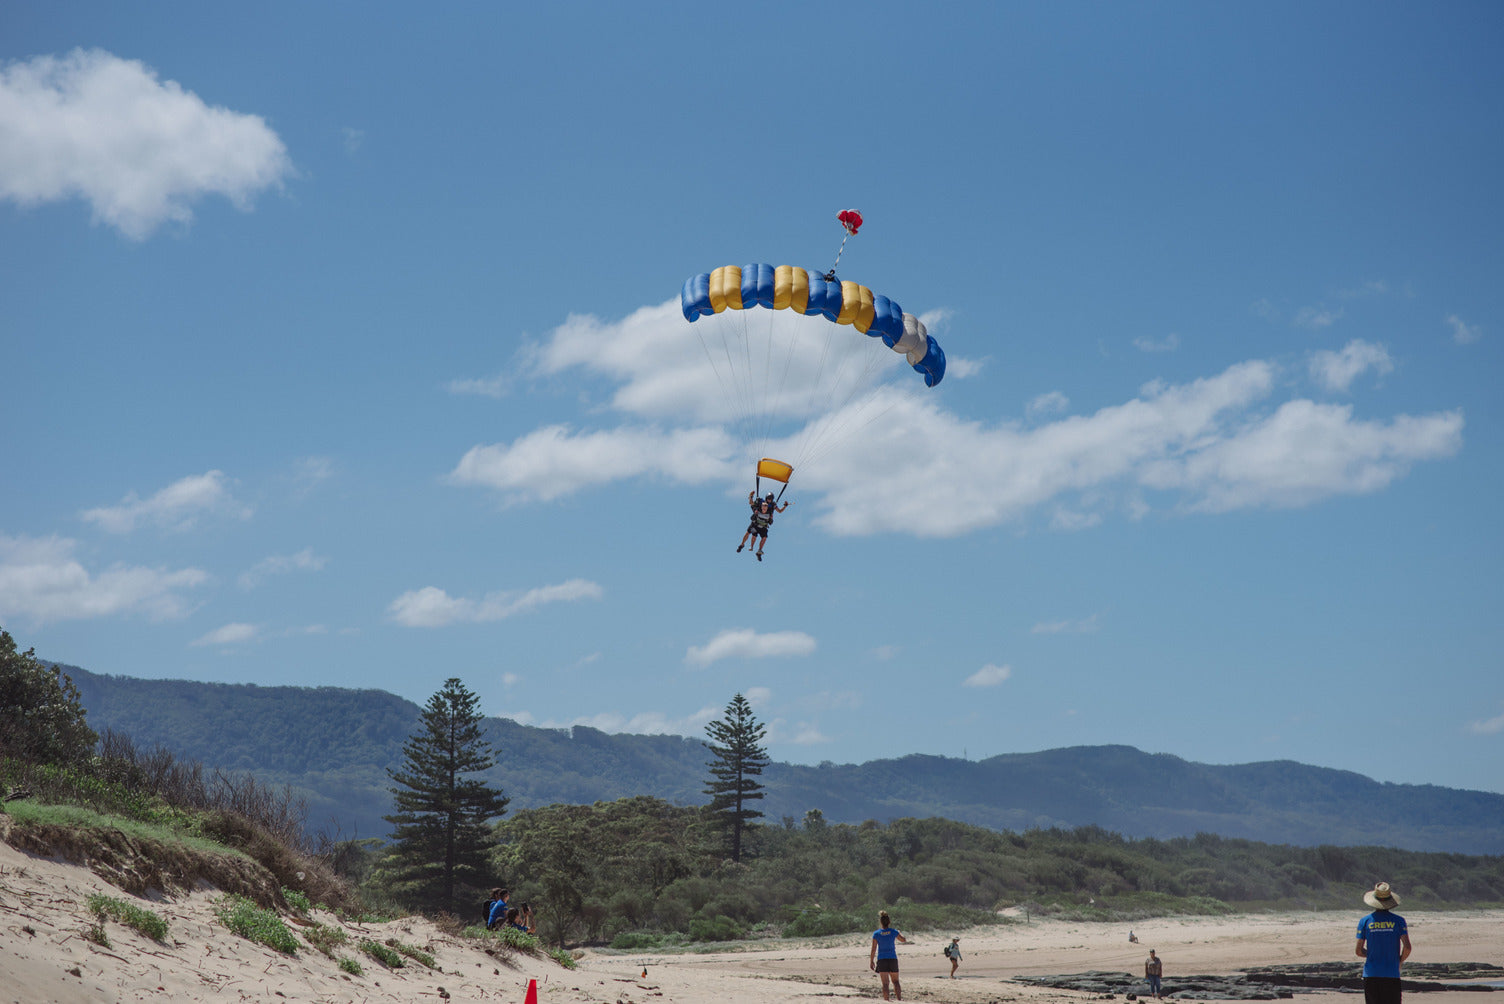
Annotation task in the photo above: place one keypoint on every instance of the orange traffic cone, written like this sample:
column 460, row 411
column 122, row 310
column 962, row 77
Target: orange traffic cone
column 532, row 992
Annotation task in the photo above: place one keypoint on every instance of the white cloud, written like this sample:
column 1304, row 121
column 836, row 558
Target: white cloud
column 784, row 733
column 651, row 723
column 989, row 675
column 961, row 475
column 961, row 368
column 175, row 507
column 1317, row 318
column 717, row 369
column 745, row 643
column 1087, row 625
column 553, row 461
column 1488, row 726
column 494, row 387
column 884, row 653
column 432, row 607
column 306, row 631
column 353, row 139
column 1206, row 445
column 1303, row 453
column 230, row 634
column 1463, row 333
column 1070, row 520
column 310, row 472
column 1336, row 371
column 1264, row 308
column 510, row 679
column 1169, row 343
column 139, row 150
column 280, row 564
column 758, row 697
column 1373, row 287
column 42, row 581
column 1049, row 403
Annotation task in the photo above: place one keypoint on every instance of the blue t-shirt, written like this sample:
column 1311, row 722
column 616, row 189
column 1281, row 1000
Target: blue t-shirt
column 498, row 912
column 1382, row 930
column 887, row 942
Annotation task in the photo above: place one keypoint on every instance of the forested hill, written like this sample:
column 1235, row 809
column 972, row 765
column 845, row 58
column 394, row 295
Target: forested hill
column 334, row 746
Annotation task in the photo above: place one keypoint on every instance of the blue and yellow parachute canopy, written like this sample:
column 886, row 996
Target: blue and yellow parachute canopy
column 788, row 287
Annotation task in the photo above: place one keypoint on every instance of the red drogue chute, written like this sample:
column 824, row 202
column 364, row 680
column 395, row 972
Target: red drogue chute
column 851, row 219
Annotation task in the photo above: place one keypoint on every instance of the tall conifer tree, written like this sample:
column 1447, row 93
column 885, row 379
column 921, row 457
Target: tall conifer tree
column 441, row 826
column 739, row 761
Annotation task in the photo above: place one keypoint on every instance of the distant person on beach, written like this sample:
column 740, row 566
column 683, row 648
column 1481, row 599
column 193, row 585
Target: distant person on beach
column 1383, row 945
column 953, row 952
column 1154, row 968
column 1133, row 937
column 883, row 959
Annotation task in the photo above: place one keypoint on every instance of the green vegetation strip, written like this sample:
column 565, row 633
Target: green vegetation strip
column 132, row 916
column 412, row 953
column 382, row 954
column 251, row 922
column 79, row 818
column 325, row 938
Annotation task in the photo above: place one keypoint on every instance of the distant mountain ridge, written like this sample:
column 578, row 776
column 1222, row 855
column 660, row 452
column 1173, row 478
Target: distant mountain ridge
column 333, row 745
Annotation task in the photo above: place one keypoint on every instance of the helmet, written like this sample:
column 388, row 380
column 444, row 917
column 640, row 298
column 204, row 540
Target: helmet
column 770, row 497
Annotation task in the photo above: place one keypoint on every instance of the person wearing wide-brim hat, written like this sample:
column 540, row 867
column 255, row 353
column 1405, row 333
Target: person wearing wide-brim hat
column 1383, row 945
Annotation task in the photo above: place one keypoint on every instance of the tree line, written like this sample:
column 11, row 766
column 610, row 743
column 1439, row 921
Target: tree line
column 637, row 871
column 641, row 871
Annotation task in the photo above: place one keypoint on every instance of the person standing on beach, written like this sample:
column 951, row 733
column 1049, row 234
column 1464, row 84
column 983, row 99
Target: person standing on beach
column 883, row 959
column 1154, row 968
column 953, row 952
column 1383, row 945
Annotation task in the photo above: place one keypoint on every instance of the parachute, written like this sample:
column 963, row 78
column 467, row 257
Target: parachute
column 826, row 376
column 788, row 287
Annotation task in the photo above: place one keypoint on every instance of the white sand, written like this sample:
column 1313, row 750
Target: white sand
column 44, row 957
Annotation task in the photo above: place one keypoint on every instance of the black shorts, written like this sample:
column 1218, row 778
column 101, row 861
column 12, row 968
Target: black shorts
column 758, row 531
column 1381, row 990
column 887, row 965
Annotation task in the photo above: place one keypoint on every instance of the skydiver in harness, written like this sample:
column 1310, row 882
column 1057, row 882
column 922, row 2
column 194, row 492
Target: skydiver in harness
column 762, row 518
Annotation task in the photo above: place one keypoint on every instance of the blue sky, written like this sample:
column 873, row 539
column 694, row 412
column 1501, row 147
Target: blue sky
column 342, row 346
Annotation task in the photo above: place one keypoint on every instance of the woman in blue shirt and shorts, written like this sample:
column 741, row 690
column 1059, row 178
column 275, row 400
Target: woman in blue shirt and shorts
column 883, row 958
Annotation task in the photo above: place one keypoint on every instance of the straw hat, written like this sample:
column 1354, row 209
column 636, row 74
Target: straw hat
column 1381, row 897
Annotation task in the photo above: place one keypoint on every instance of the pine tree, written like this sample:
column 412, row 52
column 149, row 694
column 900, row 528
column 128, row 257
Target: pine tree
column 739, row 760
column 441, row 826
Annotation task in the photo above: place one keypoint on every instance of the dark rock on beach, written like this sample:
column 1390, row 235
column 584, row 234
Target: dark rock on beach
column 1277, row 982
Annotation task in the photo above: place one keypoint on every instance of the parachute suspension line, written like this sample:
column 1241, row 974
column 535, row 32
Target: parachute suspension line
column 816, row 384
column 861, row 390
column 851, row 219
column 726, row 390
column 831, row 275
column 853, row 423
column 767, row 396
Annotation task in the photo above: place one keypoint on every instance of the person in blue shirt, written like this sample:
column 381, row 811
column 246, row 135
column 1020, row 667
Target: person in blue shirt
column 1383, row 945
column 498, row 914
column 883, row 959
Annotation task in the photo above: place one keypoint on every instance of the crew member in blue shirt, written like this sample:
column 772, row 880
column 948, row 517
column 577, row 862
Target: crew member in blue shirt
column 1383, row 945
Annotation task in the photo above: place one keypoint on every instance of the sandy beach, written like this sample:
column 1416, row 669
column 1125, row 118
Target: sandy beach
column 45, row 958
